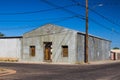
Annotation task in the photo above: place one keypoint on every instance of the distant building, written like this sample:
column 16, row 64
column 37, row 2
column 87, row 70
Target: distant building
column 115, row 54
column 55, row 44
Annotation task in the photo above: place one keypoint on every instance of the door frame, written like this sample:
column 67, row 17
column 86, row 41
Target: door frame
column 47, row 51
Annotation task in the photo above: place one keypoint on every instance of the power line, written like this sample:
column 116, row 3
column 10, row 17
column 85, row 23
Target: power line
column 16, row 28
column 80, row 15
column 26, row 27
column 57, row 18
column 101, row 25
column 31, row 12
column 102, row 16
column 63, row 8
column 65, row 19
column 109, row 20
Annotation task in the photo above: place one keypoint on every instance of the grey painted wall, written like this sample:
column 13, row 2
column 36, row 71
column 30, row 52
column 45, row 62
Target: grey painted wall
column 99, row 49
column 80, row 48
column 49, row 33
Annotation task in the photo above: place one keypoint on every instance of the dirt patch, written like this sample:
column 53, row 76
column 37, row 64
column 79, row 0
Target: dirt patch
column 4, row 72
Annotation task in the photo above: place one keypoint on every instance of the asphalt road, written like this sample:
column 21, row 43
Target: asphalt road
column 62, row 72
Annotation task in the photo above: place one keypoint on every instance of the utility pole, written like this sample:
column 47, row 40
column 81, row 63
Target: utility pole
column 86, row 35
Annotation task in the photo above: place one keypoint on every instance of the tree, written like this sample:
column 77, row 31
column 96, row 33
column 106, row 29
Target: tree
column 1, row 34
column 116, row 48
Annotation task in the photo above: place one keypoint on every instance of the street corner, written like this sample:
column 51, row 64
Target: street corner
column 4, row 72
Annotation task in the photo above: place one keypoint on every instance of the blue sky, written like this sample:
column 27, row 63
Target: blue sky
column 20, row 16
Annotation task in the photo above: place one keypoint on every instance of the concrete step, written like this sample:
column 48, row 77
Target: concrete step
column 7, row 59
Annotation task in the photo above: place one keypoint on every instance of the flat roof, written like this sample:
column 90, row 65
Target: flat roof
column 10, row 37
column 94, row 36
column 115, row 50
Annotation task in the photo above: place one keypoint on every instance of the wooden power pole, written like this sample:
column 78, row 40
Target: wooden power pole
column 86, row 35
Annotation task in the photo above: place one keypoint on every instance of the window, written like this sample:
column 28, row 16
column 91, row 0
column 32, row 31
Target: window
column 65, row 51
column 32, row 51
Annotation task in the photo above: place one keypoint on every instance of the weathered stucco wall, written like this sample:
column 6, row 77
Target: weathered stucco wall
column 80, row 48
column 99, row 49
column 49, row 33
column 10, row 48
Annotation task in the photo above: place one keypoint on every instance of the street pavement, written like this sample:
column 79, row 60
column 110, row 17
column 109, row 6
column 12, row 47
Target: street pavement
column 24, row 71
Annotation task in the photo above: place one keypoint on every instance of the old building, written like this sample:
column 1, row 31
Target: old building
column 52, row 43
column 115, row 54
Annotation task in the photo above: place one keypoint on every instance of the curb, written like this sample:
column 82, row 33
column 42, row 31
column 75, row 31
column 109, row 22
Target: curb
column 104, row 62
column 89, row 63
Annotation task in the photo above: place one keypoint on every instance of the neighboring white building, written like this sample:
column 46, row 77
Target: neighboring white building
column 10, row 47
column 115, row 54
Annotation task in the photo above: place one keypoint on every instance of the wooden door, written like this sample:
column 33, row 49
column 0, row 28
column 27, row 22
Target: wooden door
column 47, row 53
column 47, row 50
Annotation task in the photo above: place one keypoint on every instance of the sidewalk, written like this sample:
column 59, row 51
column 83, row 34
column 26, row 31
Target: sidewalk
column 104, row 62
column 89, row 63
column 4, row 72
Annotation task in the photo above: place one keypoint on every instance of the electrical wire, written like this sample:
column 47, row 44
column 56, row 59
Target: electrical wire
column 44, row 10
column 101, row 25
column 57, row 18
column 54, row 21
column 79, row 14
column 63, row 8
column 102, row 16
